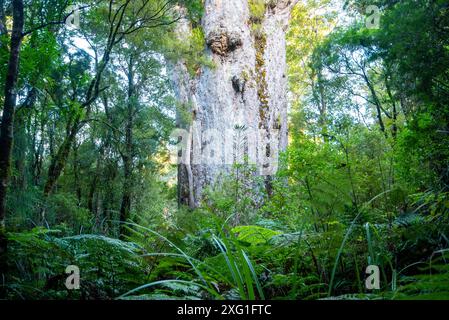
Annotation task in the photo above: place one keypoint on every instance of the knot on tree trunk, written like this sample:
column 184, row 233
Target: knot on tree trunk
column 238, row 84
column 222, row 42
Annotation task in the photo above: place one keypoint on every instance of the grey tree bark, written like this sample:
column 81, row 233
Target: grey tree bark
column 246, row 88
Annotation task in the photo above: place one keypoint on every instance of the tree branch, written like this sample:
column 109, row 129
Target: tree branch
column 53, row 23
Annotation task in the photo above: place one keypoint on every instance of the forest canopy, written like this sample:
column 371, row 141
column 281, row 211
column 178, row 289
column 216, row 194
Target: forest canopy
column 91, row 95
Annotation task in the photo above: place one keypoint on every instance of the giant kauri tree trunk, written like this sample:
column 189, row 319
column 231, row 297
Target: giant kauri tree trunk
column 245, row 90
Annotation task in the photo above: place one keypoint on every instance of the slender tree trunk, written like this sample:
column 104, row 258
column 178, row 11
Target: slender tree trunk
column 76, row 171
column 21, row 137
column 2, row 18
column 246, row 88
column 38, row 149
column 19, row 153
column 394, row 116
column 7, row 125
column 376, row 102
column 322, row 108
column 320, row 100
column 111, row 172
column 93, row 186
column 127, row 155
column 58, row 162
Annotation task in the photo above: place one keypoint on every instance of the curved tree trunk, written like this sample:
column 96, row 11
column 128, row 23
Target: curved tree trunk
column 7, row 123
column 127, row 154
column 246, row 88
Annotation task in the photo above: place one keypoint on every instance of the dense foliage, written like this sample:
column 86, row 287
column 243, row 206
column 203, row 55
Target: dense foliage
column 363, row 182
